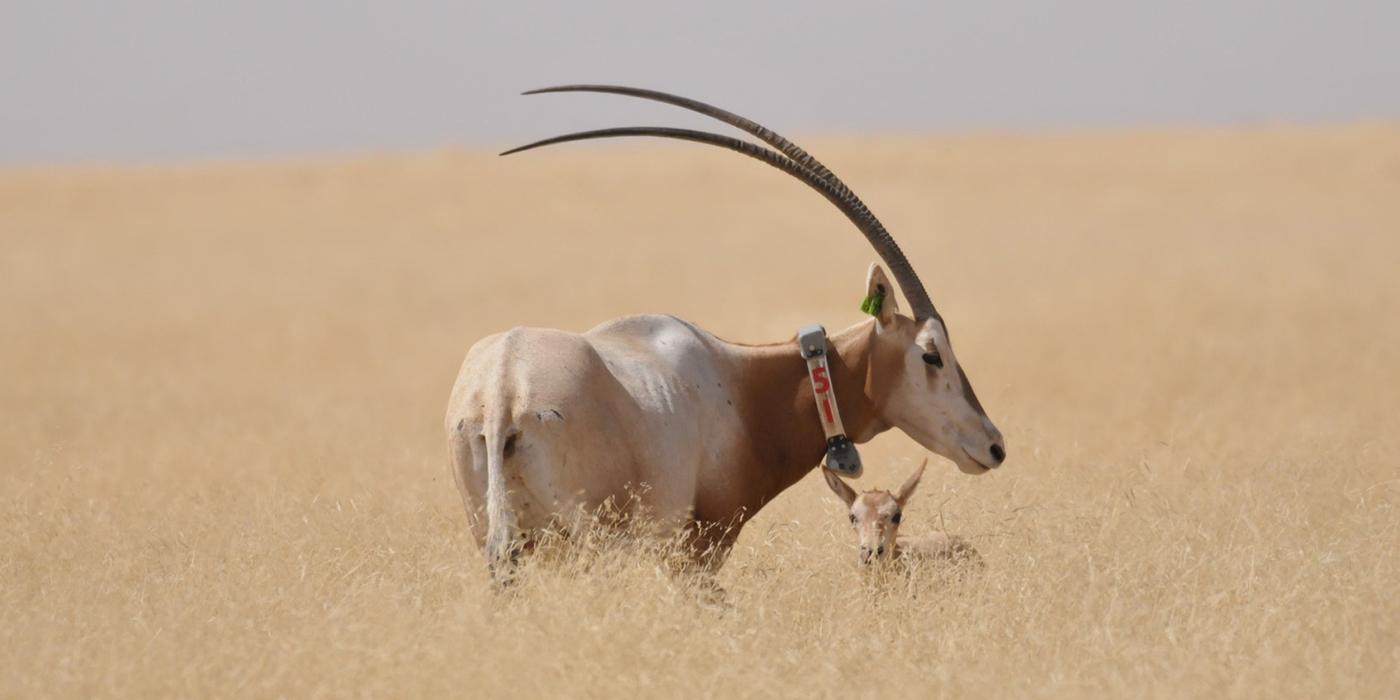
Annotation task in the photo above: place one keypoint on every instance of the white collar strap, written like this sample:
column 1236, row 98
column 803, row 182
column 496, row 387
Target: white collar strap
column 841, row 455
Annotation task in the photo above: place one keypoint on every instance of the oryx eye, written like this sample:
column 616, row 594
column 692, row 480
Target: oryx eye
column 853, row 518
column 895, row 518
column 933, row 358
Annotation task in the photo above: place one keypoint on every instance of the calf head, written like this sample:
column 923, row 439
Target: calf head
column 875, row 515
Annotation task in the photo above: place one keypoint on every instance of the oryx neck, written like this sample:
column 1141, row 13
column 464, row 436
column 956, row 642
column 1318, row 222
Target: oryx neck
column 782, row 432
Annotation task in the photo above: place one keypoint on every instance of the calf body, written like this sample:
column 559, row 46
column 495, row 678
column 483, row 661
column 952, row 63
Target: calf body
column 936, row 546
column 876, row 517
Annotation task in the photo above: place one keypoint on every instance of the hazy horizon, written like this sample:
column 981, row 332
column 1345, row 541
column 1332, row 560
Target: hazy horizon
column 162, row 82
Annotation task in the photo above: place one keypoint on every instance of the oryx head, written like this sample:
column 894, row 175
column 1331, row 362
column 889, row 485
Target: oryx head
column 915, row 381
column 917, row 385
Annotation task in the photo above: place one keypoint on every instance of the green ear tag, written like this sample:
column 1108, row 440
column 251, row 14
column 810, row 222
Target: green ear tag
column 872, row 303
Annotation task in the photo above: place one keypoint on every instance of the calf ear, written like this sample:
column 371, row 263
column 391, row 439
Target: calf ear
column 907, row 489
column 839, row 487
column 879, row 295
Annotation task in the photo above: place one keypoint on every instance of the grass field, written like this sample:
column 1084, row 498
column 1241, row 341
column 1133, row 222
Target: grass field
column 221, row 392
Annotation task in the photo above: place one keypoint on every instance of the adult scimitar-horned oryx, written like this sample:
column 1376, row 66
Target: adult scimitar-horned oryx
column 692, row 430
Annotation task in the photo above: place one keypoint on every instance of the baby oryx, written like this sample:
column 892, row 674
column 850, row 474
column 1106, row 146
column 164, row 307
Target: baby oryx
column 876, row 516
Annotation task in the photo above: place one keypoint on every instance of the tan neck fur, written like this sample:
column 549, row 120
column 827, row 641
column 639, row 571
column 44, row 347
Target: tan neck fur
column 784, row 438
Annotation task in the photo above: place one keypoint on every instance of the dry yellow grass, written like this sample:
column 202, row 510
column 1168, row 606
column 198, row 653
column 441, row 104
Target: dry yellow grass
column 221, row 468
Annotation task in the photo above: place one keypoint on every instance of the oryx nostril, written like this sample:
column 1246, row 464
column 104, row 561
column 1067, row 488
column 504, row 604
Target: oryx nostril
column 880, row 552
column 998, row 454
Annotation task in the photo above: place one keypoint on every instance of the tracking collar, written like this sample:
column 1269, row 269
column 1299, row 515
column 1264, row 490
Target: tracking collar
column 841, row 455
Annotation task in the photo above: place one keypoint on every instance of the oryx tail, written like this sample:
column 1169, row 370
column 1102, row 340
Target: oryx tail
column 502, row 529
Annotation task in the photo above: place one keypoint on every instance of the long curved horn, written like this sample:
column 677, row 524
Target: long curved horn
column 809, row 170
column 763, row 133
column 854, row 210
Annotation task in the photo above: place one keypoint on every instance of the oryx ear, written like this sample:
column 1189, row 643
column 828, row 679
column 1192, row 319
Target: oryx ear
column 907, row 489
column 879, row 300
column 839, row 487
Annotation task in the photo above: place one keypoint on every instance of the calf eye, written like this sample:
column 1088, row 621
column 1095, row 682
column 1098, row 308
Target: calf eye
column 933, row 358
column 895, row 519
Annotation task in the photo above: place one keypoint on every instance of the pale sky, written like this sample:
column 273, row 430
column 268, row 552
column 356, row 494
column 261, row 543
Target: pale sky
column 146, row 81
